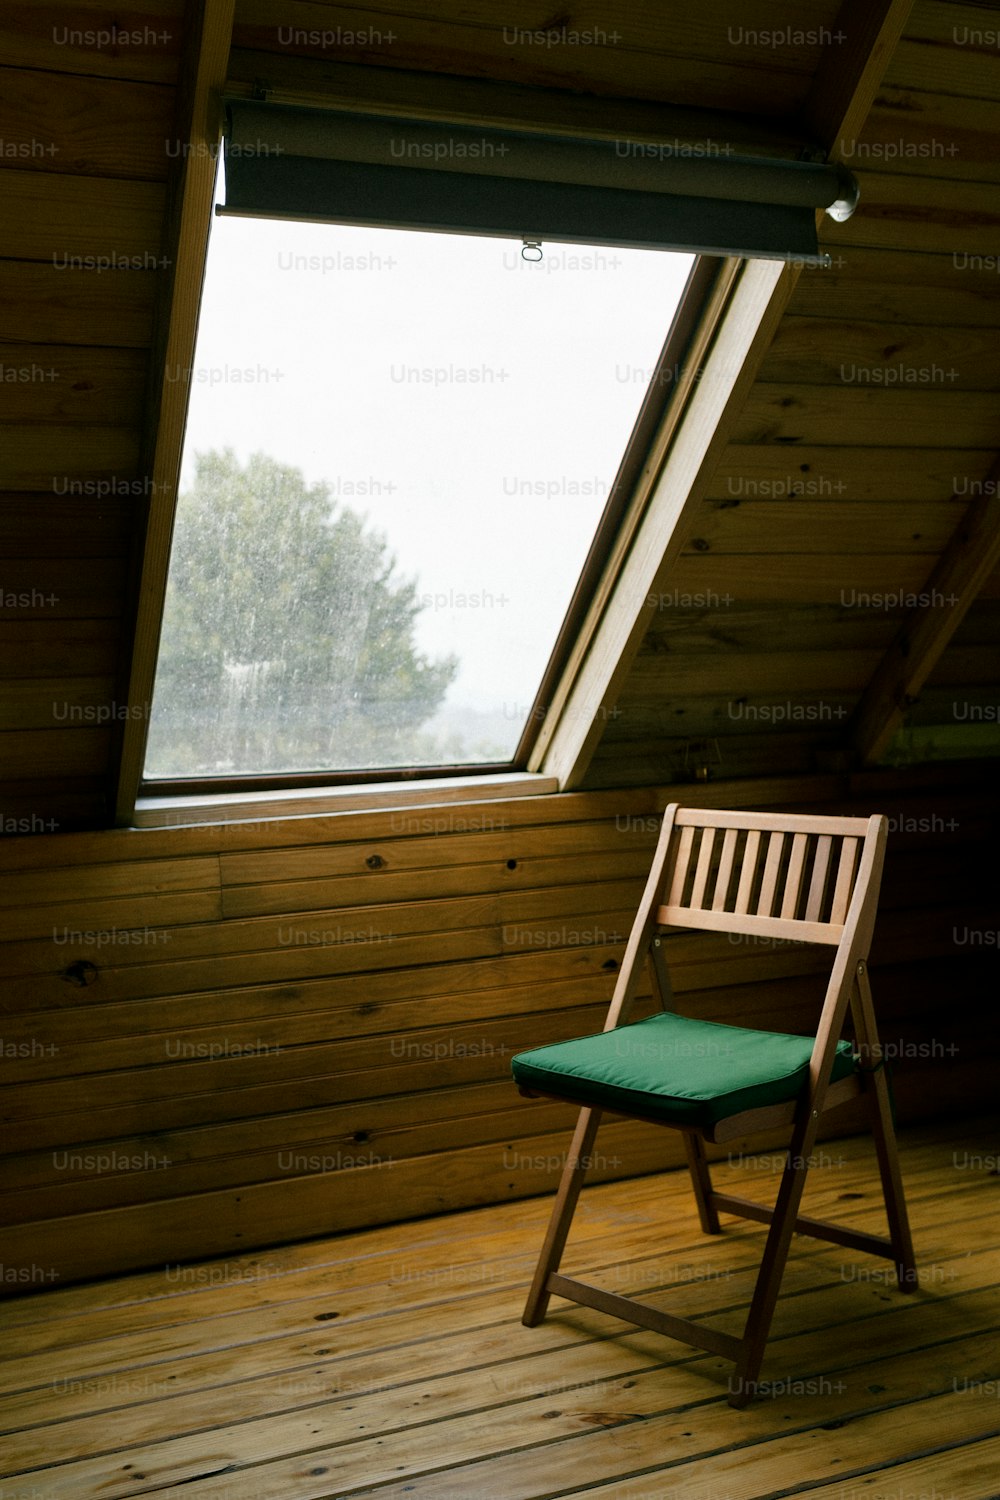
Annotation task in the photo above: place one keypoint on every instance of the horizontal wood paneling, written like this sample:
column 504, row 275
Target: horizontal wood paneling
column 79, row 526
column 96, row 461
column 867, row 436
column 185, row 1068
column 90, row 126
column 872, row 416
column 47, row 383
column 40, row 302
column 46, row 646
column 821, row 351
column 843, row 472
column 81, row 223
column 79, row 37
column 636, row 54
column 809, row 526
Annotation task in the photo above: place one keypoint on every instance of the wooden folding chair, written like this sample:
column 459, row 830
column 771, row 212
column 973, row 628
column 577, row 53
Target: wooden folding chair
column 800, row 878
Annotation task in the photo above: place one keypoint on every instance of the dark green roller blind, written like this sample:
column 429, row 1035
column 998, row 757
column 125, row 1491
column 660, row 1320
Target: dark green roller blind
column 326, row 165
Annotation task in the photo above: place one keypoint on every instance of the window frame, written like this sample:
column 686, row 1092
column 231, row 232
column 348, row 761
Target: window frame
column 699, row 311
column 658, row 395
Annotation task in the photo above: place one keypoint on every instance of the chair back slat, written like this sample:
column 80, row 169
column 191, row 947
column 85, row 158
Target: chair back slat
column 817, row 886
column 769, row 884
column 725, row 869
column 793, row 879
column 681, row 862
column 747, row 872
column 845, row 880
column 702, row 868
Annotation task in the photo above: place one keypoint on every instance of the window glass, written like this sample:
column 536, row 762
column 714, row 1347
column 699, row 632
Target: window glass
column 398, row 449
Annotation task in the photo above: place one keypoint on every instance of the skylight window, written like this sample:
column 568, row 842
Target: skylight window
column 399, row 446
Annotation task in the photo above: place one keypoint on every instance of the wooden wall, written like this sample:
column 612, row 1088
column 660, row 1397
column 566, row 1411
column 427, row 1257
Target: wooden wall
column 872, row 428
column 228, row 1036
column 192, row 1073
column 86, row 118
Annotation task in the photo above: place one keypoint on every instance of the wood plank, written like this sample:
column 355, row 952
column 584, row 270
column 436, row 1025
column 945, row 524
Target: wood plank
column 872, row 416
column 484, row 101
column 698, row 674
column 444, row 820
column 745, row 75
column 920, row 214
column 93, row 127
column 80, row 37
column 965, row 666
column 703, row 36
column 807, row 350
column 110, row 1176
column 806, row 526
column 42, row 705
column 76, row 527
column 922, row 131
column 377, row 928
column 94, row 386
column 956, row 580
column 760, row 630
column 138, row 878
column 948, row 49
column 519, row 1433
column 95, row 461
column 82, row 223
column 51, row 588
column 893, row 286
column 423, row 851
column 72, row 751
column 449, row 880
column 40, row 303
column 849, row 74
column 970, row 303
column 44, row 647
column 842, row 474
column 886, row 583
column 284, row 824
column 76, row 801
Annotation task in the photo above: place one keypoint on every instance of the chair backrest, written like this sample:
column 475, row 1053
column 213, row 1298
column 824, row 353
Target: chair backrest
column 805, row 878
column 777, row 875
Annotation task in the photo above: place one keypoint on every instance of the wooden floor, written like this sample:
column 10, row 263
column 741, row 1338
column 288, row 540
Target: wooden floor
column 393, row 1363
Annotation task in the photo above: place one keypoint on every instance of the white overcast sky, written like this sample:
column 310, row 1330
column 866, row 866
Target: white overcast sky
column 332, row 345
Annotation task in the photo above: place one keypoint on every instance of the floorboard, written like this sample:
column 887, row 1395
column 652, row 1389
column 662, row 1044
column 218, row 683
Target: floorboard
column 392, row 1363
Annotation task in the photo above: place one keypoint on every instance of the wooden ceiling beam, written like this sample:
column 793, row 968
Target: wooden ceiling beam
column 208, row 33
column 957, row 578
column 845, row 86
column 851, row 70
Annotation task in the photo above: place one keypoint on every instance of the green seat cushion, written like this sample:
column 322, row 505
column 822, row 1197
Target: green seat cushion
column 677, row 1069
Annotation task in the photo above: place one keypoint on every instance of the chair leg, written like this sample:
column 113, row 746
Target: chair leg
column 892, row 1183
column 743, row 1383
column 562, row 1215
column 701, row 1181
column 884, row 1133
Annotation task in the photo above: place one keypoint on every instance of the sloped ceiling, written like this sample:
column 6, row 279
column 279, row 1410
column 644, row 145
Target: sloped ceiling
column 842, row 479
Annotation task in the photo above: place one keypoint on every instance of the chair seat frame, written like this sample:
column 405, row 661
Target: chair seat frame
column 694, row 884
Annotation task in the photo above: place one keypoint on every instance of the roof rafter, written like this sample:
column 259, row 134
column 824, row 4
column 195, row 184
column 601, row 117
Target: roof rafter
column 208, row 29
column 960, row 572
